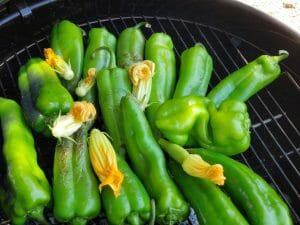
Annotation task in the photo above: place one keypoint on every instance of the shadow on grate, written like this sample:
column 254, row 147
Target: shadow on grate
column 274, row 153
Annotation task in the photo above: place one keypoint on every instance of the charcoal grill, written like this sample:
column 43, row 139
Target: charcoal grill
column 233, row 33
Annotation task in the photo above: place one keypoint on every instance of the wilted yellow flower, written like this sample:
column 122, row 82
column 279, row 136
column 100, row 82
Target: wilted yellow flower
column 195, row 166
column 66, row 125
column 58, row 64
column 141, row 74
column 104, row 161
column 87, row 83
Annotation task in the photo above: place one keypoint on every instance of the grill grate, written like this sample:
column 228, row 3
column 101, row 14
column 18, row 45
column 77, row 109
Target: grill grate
column 274, row 153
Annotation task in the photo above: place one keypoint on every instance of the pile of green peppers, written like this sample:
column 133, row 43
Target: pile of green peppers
column 213, row 124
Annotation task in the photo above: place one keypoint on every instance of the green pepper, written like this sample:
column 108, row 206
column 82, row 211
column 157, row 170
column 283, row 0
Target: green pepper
column 149, row 163
column 191, row 119
column 43, row 97
column 130, row 47
column 159, row 49
column 211, row 205
column 252, row 194
column 75, row 187
column 67, row 42
column 27, row 191
column 113, row 83
column 195, row 72
column 132, row 206
column 94, row 58
column 248, row 80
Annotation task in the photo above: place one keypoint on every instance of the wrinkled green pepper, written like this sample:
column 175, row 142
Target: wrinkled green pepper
column 159, row 49
column 211, row 205
column 195, row 72
column 148, row 162
column 113, row 84
column 248, row 80
column 75, row 187
column 194, row 121
column 130, row 47
column 43, row 97
column 26, row 191
column 94, row 58
column 132, row 206
column 67, row 42
column 252, row 194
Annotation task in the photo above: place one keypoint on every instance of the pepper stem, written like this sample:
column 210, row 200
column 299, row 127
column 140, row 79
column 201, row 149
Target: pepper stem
column 139, row 25
column 37, row 215
column 153, row 213
column 177, row 152
column 112, row 63
column 283, row 54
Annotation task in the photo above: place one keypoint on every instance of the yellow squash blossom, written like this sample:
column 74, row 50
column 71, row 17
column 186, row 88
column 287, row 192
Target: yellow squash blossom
column 141, row 74
column 87, row 83
column 104, row 161
column 58, row 64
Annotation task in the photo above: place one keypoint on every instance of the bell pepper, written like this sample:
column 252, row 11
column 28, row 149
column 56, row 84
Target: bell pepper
column 252, row 194
column 195, row 72
column 43, row 97
column 149, row 164
column 26, row 192
column 94, row 61
column 130, row 47
column 67, row 42
column 248, row 80
column 193, row 120
column 211, row 205
column 75, row 187
column 159, row 50
column 113, row 83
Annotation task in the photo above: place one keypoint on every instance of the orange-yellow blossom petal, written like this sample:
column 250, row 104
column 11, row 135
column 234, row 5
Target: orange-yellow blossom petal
column 141, row 74
column 83, row 111
column 87, row 83
column 104, row 161
column 195, row 166
column 58, row 64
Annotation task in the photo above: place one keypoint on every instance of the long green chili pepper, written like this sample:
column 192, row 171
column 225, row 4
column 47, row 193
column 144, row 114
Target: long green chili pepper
column 249, row 79
column 132, row 206
column 113, row 83
column 251, row 193
column 75, row 187
column 27, row 191
column 159, row 49
column 195, row 72
column 98, row 60
column 211, row 205
column 67, row 42
column 130, row 47
column 149, row 163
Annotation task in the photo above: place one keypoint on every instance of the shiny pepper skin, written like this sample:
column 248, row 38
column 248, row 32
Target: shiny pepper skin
column 26, row 191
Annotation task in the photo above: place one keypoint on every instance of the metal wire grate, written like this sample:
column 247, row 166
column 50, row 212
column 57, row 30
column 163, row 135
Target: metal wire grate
column 274, row 152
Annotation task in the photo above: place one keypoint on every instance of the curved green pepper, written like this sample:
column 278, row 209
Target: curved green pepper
column 258, row 200
column 248, row 80
column 43, row 97
column 75, row 187
column 113, row 84
column 27, row 190
column 130, row 47
column 132, row 206
column 191, row 119
column 93, row 58
column 159, row 49
column 195, row 72
column 149, row 164
column 67, row 42
column 211, row 205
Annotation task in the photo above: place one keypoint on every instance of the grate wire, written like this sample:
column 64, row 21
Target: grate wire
column 272, row 167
